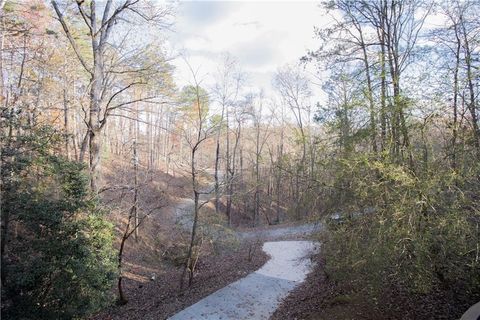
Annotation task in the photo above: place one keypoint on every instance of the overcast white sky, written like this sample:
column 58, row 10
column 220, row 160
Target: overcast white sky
column 261, row 35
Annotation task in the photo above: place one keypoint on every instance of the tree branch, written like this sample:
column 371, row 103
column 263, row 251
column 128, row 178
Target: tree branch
column 70, row 38
column 84, row 15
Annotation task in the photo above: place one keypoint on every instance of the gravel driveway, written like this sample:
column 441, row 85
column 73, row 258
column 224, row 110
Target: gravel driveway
column 257, row 295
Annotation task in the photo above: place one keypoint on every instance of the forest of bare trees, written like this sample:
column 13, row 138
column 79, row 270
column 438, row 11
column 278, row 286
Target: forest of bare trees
column 375, row 133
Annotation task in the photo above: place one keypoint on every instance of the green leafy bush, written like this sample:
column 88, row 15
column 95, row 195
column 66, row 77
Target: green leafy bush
column 59, row 261
column 422, row 235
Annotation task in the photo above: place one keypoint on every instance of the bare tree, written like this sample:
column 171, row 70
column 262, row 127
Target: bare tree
column 294, row 88
column 134, row 221
column 225, row 91
column 400, row 23
column 469, row 32
column 100, row 19
column 196, row 105
column 238, row 114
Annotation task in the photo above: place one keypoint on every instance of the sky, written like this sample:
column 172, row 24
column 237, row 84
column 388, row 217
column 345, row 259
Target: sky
column 262, row 36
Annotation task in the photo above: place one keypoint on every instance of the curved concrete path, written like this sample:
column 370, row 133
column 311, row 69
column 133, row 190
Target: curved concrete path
column 473, row 313
column 279, row 231
column 257, row 295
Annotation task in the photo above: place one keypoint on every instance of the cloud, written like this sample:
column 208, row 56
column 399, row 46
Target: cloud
column 205, row 12
column 259, row 52
column 255, row 24
column 262, row 35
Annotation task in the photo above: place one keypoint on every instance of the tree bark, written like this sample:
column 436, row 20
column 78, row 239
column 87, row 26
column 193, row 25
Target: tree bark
column 455, row 99
column 472, row 106
column 65, row 123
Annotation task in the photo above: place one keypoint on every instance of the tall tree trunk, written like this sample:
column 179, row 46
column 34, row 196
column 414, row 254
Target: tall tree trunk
column 190, row 261
column 65, row 123
column 383, row 98
column 256, row 211
column 472, row 106
column 373, row 129
column 94, row 140
column 455, row 100
column 121, row 295
column 135, row 191
column 3, row 97
column 83, row 146
column 95, row 102
column 279, row 176
column 74, row 138
column 133, row 215
column 196, row 196
column 228, row 171
column 217, row 159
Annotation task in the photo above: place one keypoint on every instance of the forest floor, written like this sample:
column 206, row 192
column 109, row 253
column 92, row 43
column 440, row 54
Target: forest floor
column 320, row 298
column 153, row 288
column 162, row 298
column 153, row 266
column 317, row 298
